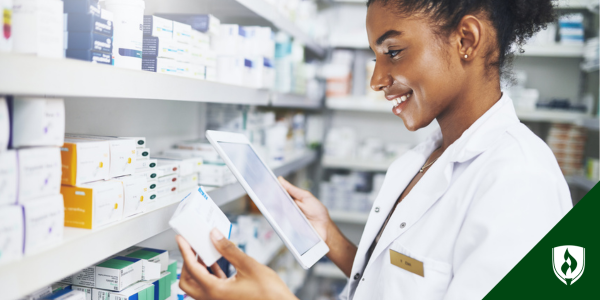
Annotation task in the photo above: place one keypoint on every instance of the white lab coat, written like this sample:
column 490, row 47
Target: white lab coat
column 491, row 196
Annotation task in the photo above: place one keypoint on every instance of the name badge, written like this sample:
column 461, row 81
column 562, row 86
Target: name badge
column 404, row 262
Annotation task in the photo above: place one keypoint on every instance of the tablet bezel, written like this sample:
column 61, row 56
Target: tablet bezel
column 311, row 256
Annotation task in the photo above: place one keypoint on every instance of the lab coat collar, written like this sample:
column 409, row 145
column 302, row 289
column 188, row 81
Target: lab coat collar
column 480, row 136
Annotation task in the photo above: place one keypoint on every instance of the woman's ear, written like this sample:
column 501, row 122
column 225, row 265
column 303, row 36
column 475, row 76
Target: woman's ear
column 469, row 31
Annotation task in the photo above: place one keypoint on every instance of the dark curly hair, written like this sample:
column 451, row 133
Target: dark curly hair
column 515, row 21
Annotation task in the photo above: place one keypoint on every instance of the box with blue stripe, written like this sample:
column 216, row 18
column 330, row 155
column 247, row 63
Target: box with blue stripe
column 77, row 22
column 89, row 41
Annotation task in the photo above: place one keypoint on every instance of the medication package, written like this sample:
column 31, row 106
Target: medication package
column 195, row 217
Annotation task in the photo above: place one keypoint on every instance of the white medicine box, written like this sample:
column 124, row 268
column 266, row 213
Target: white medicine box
column 84, row 161
column 39, row 173
column 8, row 178
column 12, row 231
column 4, row 123
column 37, row 122
column 44, row 222
column 38, row 27
column 123, row 153
column 134, row 201
column 93, row 205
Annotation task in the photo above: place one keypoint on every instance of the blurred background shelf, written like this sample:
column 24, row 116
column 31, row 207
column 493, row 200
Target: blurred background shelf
column 349, row 217
column 36, row 76
column 328, row 270
column 552, row 50
column 356, row 165
column 293, row 101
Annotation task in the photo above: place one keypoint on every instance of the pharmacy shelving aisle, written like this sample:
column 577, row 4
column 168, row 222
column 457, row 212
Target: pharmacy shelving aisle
column 81, row 248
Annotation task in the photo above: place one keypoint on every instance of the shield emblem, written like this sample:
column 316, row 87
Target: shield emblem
column 568, row 263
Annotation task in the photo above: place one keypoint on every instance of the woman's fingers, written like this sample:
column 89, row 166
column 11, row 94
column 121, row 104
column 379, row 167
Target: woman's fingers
column 295, row 192
column 197, row 271
column 242, row 262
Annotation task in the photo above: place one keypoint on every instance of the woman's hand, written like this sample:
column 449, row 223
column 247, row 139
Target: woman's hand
column 312, row 208
column 252, row 281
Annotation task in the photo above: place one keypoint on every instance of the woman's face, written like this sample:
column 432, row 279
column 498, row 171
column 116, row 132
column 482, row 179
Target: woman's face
column 413, row 63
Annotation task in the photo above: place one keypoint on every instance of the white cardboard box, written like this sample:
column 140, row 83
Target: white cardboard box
column 123, row 153
column 37, row 27
column 143, row 164
column 8, row 178
column 118, row 273
column 182, row 33
column 84, row 161
column 39, row 173
column 12, row 231
column 134, row 200
column 105, row 198
column 85, row 278
column 44, row 222
column 37, row 122
column 4, row 123
column 187, row 165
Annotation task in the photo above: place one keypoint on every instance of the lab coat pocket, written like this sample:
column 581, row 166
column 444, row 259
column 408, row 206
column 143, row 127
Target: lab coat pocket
column 413, row 282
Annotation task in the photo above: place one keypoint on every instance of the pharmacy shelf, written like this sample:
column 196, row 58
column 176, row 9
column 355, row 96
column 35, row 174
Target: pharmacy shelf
column 270, row 13
column 356, row 165
column 552, row 50
column 349, row 217
column 81, row 248
column 293, row 101
column 582, row 182
column 328, row 270
column 37, row 76
column 554, row 116
column 270, row 251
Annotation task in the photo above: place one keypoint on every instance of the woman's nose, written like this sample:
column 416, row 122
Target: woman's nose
column 381, row 78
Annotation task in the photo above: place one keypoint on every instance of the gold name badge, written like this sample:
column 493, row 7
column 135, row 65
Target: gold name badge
column 404, row 262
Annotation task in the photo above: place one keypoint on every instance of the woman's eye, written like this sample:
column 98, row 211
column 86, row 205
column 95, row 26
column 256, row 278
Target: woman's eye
column 393, row 53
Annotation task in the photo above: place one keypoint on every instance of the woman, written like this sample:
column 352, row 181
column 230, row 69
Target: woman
column 463, row 207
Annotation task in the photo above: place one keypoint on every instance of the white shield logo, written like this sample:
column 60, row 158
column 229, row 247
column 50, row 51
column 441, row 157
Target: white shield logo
column 568, row 263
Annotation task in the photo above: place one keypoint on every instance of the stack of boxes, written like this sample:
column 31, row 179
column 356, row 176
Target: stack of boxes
column 213, row 171
column 571, row 29
column 88, row 31
column 159, row 52
column 591, row 54
column 568, row 145
column 31, row 206
column 176, row 174
column 36, row 27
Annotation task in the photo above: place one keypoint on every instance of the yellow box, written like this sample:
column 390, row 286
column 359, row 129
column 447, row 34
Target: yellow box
column 93, row 205
column 84, row 161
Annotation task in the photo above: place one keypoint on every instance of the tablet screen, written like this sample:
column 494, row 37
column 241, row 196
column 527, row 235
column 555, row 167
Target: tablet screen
column 272, row 196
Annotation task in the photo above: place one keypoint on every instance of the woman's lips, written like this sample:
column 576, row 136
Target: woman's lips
column 399, row 102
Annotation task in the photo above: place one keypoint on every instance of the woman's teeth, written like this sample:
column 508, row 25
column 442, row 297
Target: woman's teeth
column 401, row 99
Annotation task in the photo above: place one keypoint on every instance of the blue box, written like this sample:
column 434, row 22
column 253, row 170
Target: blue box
column 82, row 6
column 89, row 40
column 89, row 23
column 90, row 55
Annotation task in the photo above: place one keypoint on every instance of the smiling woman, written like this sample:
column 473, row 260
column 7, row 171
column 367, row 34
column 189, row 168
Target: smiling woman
column 460, row 210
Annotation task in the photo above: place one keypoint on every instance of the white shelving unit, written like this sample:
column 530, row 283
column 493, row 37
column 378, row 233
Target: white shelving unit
column 361, row 104
column 293, row 101
column 349, row 217
column 81, row 248
column 357, row 165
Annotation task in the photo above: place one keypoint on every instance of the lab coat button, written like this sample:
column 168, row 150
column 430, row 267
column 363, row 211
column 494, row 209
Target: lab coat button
column 363, row 279
column 356, row 276
column 376, row 209
column 402, row 225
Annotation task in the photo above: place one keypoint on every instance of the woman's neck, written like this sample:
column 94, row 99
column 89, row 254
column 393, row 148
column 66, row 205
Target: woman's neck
column 468, row 106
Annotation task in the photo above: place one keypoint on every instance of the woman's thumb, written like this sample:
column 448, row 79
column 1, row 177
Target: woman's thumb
column 231, row 252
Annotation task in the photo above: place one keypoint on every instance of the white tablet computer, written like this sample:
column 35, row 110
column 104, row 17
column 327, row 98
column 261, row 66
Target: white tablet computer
column 270, row 197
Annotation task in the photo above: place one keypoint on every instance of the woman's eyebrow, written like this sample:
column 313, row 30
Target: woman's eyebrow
column 388, row 34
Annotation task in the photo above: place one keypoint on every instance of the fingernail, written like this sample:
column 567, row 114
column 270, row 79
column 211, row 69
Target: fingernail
column 216, row 235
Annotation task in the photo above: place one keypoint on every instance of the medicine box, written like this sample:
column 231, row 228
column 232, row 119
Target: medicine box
column 84, row 161
column 143, row 153
column 118, row 273
column 133, row 194
column 188, row 182
column 123, row 153
column 93, row 205
column 202, row 22
column 87, row 291
column 157, row 256
column 187, row 165
column 149, row 174
column 139, row 141
column 37, row 27
column 66, row 294
column 167, row 167
column 82, row 6
column 57, row 286
column 8, row 178
column 6, row 8
column 44, row 220
column 211, row 73
column 205, row 57
column 182, row 33
column 39, row 171
column 162, row 286
column 138, row 291
column 198, row 71
column 89, row 41
column 172, row 268
column 215, row 174
column 143, row 164
column 166, row 190
column 84, row 278
column 4, row 123
column 184, row 69
column 160, row 65
column 12, row 232
column 200, row 40
column 158, row 27
column 37, row 121
column 102, row 24
column 90, row 55
column 154, row 47
column 183, row 52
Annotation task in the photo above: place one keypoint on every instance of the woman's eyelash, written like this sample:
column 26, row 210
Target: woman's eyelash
column 393, row 53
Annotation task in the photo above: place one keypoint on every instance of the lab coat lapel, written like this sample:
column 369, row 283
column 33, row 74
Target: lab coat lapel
column 424, row 194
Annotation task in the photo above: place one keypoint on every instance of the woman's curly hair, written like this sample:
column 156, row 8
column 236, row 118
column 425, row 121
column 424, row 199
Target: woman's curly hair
column 515, row 21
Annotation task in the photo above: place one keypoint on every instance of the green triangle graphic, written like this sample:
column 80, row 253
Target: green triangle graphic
column 533, row 277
